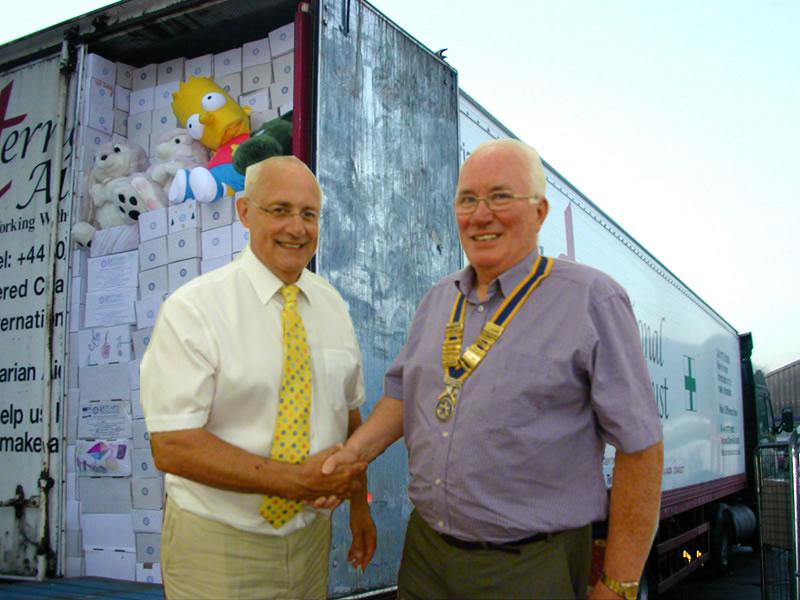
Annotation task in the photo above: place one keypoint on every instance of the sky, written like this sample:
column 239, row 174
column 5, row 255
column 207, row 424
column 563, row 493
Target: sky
column 680, row 119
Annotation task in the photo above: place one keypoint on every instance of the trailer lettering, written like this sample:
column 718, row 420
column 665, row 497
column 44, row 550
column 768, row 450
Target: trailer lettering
column 27, row 443
column 653, row 341
column 17, row 373
column 5, row 98
column 660, row 390
column 11, row 416
column 10, row 292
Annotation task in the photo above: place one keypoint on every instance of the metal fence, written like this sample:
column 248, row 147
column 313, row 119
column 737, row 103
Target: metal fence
column 777, row 490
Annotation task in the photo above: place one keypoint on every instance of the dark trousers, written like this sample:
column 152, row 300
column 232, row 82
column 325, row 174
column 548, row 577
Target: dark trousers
column 555, row 568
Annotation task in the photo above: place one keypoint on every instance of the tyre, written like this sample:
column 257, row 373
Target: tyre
column 722, row 541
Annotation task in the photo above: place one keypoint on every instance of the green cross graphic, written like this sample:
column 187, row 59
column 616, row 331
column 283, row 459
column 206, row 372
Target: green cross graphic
column 690, row 383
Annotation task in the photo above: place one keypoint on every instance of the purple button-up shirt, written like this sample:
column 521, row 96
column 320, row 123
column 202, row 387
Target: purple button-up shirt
column 523, row 452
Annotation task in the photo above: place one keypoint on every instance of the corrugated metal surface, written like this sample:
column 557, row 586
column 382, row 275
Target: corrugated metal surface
column 784, row 387
column 387, row 158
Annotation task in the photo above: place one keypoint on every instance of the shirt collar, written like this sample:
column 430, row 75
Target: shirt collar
column 506, row 282
column 265, row 282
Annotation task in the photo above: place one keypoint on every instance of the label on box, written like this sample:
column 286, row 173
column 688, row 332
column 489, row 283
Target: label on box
column 182, row 272
column 147, row 521
column 217, row 242
column 227, row 62
column 183, row 216
column 281, row 40
column 105, row 419
column 105, row 345
column 216, row 214
column 147, row 493
column 143, row 464
column 171, row 70
column 283, row 69
column 103, row 458
column 142, row 100
column 104, row 309
column 280, row 94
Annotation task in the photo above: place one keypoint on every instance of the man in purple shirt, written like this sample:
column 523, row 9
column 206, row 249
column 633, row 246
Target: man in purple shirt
column 516, row 373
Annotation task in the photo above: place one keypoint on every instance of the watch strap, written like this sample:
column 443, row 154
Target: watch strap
column 625, row 589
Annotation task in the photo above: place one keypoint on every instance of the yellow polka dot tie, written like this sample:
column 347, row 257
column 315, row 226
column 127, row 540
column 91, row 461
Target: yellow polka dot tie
column 292, row 428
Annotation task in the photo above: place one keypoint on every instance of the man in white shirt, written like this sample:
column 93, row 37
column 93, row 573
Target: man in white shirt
column 222, row 395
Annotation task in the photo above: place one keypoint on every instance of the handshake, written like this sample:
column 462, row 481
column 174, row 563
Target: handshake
column 327, row 478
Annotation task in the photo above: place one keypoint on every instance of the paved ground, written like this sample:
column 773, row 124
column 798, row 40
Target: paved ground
column 743, row 583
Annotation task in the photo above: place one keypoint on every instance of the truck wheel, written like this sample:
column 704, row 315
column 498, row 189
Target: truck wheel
column 722, row 540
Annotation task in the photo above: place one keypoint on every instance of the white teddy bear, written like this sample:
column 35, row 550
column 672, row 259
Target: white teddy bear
column 119, row 190
column 176, row 149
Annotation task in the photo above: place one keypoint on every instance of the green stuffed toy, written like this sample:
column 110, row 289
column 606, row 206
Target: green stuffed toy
column 273, row 138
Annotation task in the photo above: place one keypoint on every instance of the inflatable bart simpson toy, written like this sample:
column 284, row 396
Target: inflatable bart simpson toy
column 220, row 124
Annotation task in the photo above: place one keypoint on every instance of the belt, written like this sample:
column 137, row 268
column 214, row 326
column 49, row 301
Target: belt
column 511, row 547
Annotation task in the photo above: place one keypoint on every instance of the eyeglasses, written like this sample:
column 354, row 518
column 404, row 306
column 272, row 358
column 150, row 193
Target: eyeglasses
column 281, row 212
column 467, row 204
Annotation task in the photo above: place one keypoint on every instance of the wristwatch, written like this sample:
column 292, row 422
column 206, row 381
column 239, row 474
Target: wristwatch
column 626, row 589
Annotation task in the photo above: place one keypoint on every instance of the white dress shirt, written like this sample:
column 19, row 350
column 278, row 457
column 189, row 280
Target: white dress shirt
column 215, row 361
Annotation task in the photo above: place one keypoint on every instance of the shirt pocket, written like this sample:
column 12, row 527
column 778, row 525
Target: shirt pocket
column 341, row 377
column 526, row 386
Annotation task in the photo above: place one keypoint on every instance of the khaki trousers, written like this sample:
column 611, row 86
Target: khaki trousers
column 556, row 568
column 204, row 559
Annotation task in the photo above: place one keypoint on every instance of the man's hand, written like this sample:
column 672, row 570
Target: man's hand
column 340, row 458
column 310, row 483
column 364, row 535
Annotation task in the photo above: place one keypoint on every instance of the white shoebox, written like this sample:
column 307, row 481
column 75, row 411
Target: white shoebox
column 183, row 216
column 216, row 242
column 280, row 94
column 141, row 338
column 283, row 68
column 182, row 272
column 163, row 94
column 136, row 404
column 124, row 75
column 109, row 497
column 153, row 224
column 256, row 52
column 148, row 493
column 106, row 382
column 140, row 123
column 114, row 240
column 183, row 244
column 110, row 563
column 257, row 101
column 111, row 272
column 77, row 314
column 148, row 572
column 101, row 68
column 78, row 289
column 116, row 307
column 122, row 98
column 142, row 100
column 80, row 257
column 153, row 253
column 140, row 138
column 256, row 77
column 240, row 236
column 171, row 70
column 144, row 465
column 231, row 83
column 216, row 214
column 201, row 66
column 134, row 367
column 147, row 312
column 153, row 282
column 99, row 112
column 148, row 520
column 144, row 77
column 121, row 122
column 210, row 264
column 227, row 62
column 281, row 40
column 91, row 142
column 141, row 436
column 164, row 120
column 148, row 547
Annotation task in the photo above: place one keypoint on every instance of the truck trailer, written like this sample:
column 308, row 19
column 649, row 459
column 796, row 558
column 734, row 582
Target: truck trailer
column 382, row 122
